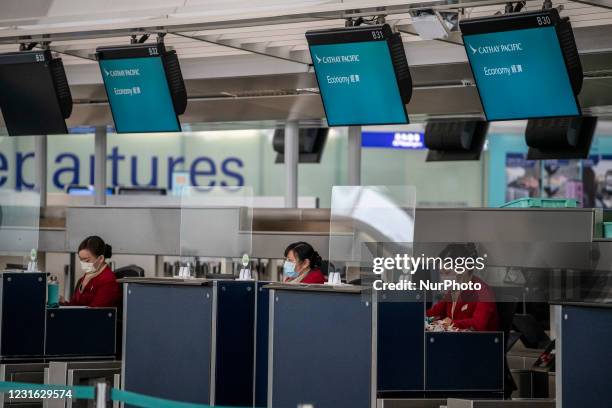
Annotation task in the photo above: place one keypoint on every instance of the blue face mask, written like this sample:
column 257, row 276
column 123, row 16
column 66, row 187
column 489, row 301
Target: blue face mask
column 289, row 269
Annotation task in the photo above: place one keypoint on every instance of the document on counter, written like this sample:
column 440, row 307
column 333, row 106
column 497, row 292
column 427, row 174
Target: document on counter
column 435, row 327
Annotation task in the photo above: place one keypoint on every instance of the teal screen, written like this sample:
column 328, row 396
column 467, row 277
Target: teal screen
column 357, row 84
column 139, row 96
column 521, row 74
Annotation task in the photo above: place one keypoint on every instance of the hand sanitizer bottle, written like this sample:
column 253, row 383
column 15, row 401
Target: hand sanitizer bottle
column 33, row 265
column 245, row 272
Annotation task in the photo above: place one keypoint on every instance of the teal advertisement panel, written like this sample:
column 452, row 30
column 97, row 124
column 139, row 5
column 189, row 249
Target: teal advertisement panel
column 521, row 74
column 358, row 84
column 139, row 96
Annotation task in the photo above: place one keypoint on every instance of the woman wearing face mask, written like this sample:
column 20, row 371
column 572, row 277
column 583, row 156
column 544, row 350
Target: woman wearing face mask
column 473, row 310
column 98, row 287
column 302, row 264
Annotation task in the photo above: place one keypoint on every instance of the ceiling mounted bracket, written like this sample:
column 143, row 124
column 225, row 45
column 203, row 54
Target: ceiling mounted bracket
column 27, row 46
column 135, row 40
column 356, row 22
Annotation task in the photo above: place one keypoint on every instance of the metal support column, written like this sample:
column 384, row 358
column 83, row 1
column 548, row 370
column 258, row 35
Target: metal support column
column 292, row 155
column 557, row 328
column 100, row 166
column 40, row 166
column 354, row 156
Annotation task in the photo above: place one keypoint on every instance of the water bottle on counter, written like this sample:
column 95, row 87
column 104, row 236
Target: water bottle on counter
column 245, row 272
column 33, row 264
column 52, row 292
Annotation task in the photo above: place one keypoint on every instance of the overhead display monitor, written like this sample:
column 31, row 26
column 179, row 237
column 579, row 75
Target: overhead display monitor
column 560, row 138
column 34, row 94
column 363, row 75
column 525, row 65
column 453, row 140
column 311, row 144
column 145, row 87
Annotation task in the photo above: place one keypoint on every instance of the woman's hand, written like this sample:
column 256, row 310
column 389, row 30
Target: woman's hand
column 446, row 321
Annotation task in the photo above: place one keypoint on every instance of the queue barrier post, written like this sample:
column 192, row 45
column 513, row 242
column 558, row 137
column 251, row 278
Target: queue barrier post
column 102, row 395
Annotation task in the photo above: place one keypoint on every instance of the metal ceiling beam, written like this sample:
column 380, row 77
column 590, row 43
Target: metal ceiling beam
column 65, row 50
column 280, row 52
column 77, row 53
column 453, row 38
column 598, row 3
column 181, row 25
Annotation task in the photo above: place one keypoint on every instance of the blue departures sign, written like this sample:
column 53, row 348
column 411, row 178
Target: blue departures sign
column 521, row 74
column 358, row 84
column 139, row 96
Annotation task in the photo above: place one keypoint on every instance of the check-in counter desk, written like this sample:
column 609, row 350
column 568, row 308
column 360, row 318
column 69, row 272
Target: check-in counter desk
column 30, row 331
column 189, row 340
column 23, row 314
column 261, row 343
column 401, row 344
column 81, row 332
column 584, row 354
column 320, row 347
column 326, row 333
column 464, row 363
column 414, row 363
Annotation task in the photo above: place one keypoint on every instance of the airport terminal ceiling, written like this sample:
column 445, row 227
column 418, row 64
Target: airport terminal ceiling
column 223, row 44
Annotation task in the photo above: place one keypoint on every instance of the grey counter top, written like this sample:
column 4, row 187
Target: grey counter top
column 585, row 304
column 316, row 288
column 167, row 281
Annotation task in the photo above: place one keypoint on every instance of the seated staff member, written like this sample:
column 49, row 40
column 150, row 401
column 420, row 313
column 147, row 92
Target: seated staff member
column 98, row 287
column 302, row 264
column 470, row 309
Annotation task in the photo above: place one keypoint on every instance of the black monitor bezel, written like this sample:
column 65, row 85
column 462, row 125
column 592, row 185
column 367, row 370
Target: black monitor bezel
column 110, row 190
column 354, row 35
column 514, row 22
column 136, row 51
column 472, row 154
column 142, row 190
column 34, row 57
column 25, row 57
column 588, row 127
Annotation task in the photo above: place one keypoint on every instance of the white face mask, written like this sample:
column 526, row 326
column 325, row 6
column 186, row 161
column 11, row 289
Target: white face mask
column 88, row 267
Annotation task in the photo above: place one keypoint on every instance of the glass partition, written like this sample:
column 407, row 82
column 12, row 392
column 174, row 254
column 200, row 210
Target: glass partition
column 19, row 226
column 367, row 222
column 372, row 230
column 216, row 227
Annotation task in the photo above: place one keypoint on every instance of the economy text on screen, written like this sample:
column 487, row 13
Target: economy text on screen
column 139, row 96
column 358, row 84
column 521, row 74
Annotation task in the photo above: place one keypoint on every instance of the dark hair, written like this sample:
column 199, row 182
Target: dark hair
column 302, row 251
column 96, row 246
column 460, row 250
column 457, row 250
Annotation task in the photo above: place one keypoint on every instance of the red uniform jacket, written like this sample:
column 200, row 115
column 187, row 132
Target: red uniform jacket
column 475, row 310
column 101, row 291
column 314, row 276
